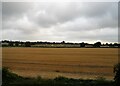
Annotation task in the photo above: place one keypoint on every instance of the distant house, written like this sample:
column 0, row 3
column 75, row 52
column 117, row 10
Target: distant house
column 89, row 45
column 116, row 46
column 57, row 45
column 39, row 45
column 5, row 44
column 104, row 46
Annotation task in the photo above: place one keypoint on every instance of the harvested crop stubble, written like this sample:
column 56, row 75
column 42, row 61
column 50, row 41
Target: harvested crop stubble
column 69, row 62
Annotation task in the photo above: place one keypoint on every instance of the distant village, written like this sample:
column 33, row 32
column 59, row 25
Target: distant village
column 63, row 44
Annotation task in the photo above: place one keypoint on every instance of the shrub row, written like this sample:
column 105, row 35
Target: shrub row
column 11, row 79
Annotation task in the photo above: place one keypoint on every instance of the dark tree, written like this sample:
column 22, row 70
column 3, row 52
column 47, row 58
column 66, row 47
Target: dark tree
column 11, row 43
column 63, row 42
column 82, row 44
column 97, row 44
column 27, row 44
column 16, row 44
column 117, row 74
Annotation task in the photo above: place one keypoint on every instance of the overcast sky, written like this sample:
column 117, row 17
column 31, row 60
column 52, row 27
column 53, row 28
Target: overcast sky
column 58, row 21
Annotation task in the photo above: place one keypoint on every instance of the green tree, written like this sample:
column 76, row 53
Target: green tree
column 117, row 74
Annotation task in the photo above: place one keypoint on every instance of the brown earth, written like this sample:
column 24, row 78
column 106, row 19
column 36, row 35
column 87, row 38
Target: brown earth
column 68, row 62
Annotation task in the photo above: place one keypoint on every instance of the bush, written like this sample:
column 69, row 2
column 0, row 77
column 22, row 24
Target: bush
column 117, row 74
column 11, row 79
column 8, row 76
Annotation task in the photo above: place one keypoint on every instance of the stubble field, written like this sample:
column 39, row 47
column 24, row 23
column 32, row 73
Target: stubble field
column 68, row 62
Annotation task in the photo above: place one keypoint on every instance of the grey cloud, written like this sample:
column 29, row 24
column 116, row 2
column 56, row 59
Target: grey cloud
column 13, row 8
column 0, row 20
column 103, row 35
column 60, row 21
column 55, row 13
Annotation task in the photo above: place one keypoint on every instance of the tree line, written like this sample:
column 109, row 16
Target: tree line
column 8, row 43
